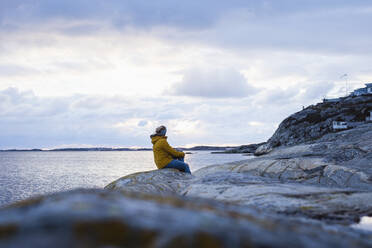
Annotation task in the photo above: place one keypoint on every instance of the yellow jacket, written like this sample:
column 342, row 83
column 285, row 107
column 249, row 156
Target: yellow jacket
column 163, row 152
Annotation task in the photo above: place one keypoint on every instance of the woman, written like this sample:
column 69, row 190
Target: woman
column 164, row 155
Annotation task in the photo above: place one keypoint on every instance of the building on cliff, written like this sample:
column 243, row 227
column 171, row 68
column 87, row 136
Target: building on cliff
column 331, row 100
column 358, row 92
column 363, row 91
column 369, row 118
column 337, row 125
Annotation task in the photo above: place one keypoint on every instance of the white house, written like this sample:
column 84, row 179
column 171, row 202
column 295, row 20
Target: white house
column 337, row 125
column 363, row 91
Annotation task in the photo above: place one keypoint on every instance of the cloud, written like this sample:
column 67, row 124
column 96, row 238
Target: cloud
column 139, row 13
column 9, row 70
column 337, row 29
column 279, row 96
column 318, row 90
column 76, row 47
column 213, row 83
column 302, row 93
column 29, row 121
column 110, row 62
column 321, row 26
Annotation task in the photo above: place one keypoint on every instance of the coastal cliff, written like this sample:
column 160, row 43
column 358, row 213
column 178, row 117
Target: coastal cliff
column 315, row 121
column 308, row 191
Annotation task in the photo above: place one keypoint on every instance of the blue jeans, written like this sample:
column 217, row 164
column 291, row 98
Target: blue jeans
column 178, row 164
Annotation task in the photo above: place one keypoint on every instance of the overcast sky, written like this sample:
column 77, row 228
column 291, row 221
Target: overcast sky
column 107, row 73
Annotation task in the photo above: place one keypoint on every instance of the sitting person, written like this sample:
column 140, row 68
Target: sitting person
column 164, row 155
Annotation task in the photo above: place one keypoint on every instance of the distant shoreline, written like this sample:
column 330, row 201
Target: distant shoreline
column 104, row 149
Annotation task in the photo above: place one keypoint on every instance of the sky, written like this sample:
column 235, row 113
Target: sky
column 86, row 73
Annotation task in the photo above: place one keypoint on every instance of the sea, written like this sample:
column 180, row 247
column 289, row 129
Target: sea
column 32, row 173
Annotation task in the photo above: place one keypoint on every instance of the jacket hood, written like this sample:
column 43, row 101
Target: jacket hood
column 155, row 139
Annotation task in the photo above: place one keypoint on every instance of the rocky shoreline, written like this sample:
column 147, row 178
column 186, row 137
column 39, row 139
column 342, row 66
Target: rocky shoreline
column 306, row 193
column 315, row 121
column 328, row 180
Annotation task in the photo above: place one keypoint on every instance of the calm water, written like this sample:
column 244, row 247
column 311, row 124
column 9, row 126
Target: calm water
column 24, row 174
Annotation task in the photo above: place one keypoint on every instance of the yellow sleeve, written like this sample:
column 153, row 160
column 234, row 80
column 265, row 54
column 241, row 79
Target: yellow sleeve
column 174, row 153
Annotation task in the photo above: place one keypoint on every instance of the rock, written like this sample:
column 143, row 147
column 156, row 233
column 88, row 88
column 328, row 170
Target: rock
column 163, row 181
column 263, row 149
column 329, row 179
column 348, row 153
column 330, row 204
column 244, row 148
column 302, row 186
column 105, row 218
column 315, row 121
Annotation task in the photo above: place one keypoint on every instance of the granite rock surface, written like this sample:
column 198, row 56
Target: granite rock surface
column 111, row 218
column 315, row 121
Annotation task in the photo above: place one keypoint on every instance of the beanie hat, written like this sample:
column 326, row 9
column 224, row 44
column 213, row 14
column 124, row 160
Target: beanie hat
column 160, row 131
